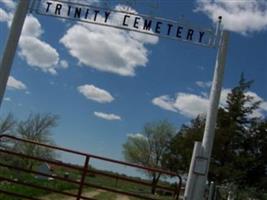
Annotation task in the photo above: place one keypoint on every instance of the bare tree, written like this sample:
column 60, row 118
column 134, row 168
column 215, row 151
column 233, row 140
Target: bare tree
column 7, row 126
column 36, row 128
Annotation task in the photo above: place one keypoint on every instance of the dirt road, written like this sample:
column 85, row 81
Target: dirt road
column 91, row 194
column 86, row 194
column 121, row 197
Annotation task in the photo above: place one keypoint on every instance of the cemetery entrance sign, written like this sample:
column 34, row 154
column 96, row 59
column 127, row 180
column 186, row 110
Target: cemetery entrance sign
column 155, row 26
column 127, row 20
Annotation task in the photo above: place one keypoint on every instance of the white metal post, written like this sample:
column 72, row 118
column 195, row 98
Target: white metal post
column 209, row 133
column 190, row 183
column 197, row 187
column 11, row 45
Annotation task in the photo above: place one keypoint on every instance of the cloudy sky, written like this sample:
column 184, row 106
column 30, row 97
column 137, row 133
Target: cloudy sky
column 105, row 83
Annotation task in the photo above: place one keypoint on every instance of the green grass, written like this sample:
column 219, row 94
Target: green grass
column 28, row 191
column 124, row 186
column 92, row 178
column 64, row 186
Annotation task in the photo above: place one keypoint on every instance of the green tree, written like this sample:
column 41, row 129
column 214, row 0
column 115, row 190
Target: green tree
column 178, row 156
column 36, row 128
column 256, row 174
column 232, row 158
column 148, row 148
column 239, row 151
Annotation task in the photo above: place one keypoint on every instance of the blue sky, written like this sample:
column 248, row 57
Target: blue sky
column 105, row 84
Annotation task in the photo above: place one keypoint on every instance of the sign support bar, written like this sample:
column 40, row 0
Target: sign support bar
column 11, row 45
column 196, row 181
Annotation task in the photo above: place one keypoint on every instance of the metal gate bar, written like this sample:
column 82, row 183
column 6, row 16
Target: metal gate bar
column 17, row 195
column 84, row 172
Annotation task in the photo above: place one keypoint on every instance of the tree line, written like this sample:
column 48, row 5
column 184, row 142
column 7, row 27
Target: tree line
column 239, row 153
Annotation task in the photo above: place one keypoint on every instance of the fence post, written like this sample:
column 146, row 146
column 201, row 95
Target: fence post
column 211, row 191
column 85, row 169
column 179, row 187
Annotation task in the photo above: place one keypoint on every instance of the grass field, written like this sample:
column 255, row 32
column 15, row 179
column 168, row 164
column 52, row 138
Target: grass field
column 58, row 185
column 87, row 191
column 25, row 190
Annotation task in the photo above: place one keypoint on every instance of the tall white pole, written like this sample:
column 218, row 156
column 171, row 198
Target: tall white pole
column 200, row 161
column 11, row 45
column 209, row 133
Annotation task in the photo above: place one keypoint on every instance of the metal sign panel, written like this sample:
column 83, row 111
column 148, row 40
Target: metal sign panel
column 201, row 165
column 127, row 20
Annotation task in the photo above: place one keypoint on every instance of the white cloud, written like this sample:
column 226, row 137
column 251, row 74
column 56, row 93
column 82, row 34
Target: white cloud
column 263, row 106
column 39, row 54
column 107, row 116
column 36, row 52
column 164, row 102
column 191, row 105
column 224, row 95
column 15, row 84
column 203, row 84
column 7, row 99
column 108, row 49
column 238, row 16
column 4, row 16
column 32, row 27
column 64, row 64
column 96, row 94
column 137, row 135
column 9, row 3
column 257, row 113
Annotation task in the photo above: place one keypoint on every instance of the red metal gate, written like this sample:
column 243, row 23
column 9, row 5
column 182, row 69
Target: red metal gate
column 86, row 173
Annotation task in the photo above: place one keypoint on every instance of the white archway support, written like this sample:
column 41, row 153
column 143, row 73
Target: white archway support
column 199, row 167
